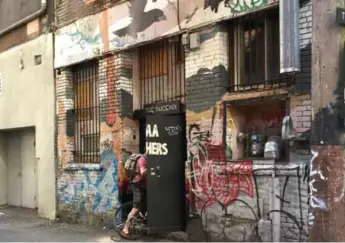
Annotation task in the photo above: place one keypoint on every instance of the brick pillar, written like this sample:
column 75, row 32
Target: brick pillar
column 64, row 102
column 327, row 209
column 206, row 75
column 206, row 83
column 207, row 71
column 124, row 92
column 79, row 183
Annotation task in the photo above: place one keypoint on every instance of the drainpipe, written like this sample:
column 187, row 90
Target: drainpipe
column 26, row 19
column 289, row 36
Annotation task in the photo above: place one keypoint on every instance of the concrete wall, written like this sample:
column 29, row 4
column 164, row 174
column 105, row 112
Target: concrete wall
column 3, row 170
column 28, row 99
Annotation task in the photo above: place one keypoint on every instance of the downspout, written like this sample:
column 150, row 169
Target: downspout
column 26, row 19
column 178, row 15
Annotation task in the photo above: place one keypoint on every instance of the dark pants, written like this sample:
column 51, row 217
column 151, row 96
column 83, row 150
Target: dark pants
column 139, row 196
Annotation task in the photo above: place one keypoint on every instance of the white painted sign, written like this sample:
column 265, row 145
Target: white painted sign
column 155, row 148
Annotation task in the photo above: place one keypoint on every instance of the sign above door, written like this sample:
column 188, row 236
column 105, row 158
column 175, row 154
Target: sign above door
column 167, row 108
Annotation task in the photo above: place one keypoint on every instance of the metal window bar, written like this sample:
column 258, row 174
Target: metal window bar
column 161, row 72
column 87, row 113
column 252, row 69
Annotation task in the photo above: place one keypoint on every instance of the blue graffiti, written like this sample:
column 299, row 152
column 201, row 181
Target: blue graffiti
column 98, row 188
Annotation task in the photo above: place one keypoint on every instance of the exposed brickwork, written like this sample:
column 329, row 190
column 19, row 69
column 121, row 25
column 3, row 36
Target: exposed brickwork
column 14, row 38
column 300, row 106
column 68, row 11
column 22, row 34
column 88, row 193
column 206, row 84
column 304, row 78
column 206, row 71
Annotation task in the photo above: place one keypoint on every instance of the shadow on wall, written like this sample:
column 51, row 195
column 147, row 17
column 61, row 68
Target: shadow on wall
column 202, row 87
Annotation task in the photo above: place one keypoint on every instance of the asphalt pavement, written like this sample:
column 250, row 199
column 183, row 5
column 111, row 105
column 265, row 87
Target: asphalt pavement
column 18, row 225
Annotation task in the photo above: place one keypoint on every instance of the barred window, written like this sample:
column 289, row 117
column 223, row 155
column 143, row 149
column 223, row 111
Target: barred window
column 87, row 113
column 254, row 51
column 161, row 67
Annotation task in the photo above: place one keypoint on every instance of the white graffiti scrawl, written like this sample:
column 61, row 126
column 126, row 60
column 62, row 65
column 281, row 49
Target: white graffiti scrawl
column 173, row 130
column 314, row 201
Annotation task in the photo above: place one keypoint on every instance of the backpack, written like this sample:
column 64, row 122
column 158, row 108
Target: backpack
column 131, row 165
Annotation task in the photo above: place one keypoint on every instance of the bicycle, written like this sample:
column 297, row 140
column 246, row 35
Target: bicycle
column 137, row 224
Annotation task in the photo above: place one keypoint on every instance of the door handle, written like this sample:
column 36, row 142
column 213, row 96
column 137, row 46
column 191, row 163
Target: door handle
column 158, row 171
column 152, row 171
column 155, row 171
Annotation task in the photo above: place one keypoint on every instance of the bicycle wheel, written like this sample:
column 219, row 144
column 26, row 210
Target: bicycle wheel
column 136, row 224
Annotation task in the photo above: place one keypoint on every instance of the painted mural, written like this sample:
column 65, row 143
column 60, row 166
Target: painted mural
column 86, row 189
column 78, row 41
column 136, row 21
column 74, row 189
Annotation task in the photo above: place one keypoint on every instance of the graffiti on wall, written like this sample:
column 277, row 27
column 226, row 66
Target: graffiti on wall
column 136, row 21
column 78, row 41
column 236, row 6
column 223, row 190
column 98, row 190
column 238, row 193
column 316, row 174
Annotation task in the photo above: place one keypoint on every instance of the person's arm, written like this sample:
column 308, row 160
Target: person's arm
column 142, row 166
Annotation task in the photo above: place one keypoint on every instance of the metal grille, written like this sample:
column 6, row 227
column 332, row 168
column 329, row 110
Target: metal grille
column 254, row 55
column 162, row 72
column 87, row 113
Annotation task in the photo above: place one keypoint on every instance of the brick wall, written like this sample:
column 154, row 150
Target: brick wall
column 88, row 193
column 300, row 105
column 206, row 71
column 28, row 31
column 207, row 80
column 68, row 11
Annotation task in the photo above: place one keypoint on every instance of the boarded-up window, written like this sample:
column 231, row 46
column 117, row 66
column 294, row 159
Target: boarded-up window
column 83, row 100
column 161, row 68
column 154, row 60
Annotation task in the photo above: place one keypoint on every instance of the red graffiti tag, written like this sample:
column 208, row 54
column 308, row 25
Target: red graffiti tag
column 274, row 115
column 215, row 181
column 110, row 116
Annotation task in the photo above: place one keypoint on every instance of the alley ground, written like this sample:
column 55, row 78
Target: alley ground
column 18, row 224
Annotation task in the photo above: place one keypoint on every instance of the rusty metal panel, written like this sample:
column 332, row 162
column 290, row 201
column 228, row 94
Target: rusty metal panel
column 13, row 11
column 162, row 76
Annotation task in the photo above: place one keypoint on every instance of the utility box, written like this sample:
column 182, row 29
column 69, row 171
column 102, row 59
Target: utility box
column 194, row 40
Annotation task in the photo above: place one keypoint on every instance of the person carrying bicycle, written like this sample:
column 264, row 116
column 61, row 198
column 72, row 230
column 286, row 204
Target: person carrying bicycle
column 136, row 168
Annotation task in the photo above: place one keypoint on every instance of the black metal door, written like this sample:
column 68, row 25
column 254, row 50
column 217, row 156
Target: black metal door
column 165, row 145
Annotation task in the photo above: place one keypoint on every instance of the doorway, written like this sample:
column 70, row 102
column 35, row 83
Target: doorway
column 166, row 149
column 21, row 169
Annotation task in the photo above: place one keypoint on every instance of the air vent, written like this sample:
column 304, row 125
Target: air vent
column 38, row 59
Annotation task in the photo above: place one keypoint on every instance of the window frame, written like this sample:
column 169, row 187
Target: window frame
column 236, row 49
column 87, row 122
